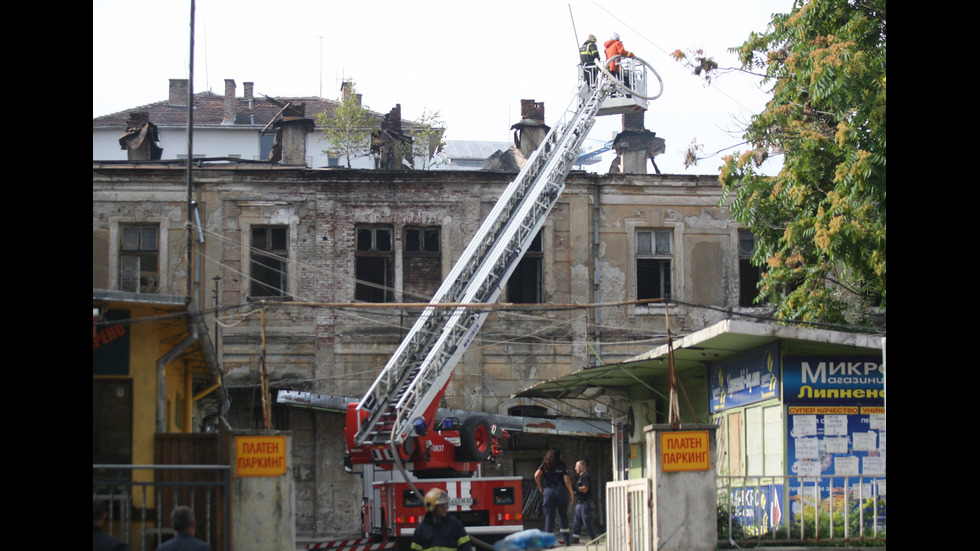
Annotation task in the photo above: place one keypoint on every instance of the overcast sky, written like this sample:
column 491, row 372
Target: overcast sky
column 472, row 61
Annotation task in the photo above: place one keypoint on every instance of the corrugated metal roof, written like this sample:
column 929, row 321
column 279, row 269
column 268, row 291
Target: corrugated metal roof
column 472, row 149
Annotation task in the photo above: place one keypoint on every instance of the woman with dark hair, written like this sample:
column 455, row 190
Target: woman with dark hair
column 556, row 487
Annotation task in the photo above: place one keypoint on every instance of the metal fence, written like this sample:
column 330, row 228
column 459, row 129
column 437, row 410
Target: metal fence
column 141, row 498
column 628, row 521
column 801, row 509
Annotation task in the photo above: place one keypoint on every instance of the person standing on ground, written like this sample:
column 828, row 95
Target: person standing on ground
column 614, row 47
column 439, row 530
column 184, row 524
column 589, row 55
column 556, row 487
column 100, row 540
column 584, row 508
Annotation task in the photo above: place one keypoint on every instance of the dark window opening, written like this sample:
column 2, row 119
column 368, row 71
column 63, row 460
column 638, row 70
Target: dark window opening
column 654, row 255
column 749, row 275
column 375, row 259
column 422, row 262
column 268, row 263
column 525, row 283
column 652, row 279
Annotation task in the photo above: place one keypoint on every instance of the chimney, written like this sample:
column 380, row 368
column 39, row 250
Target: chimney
column 532, row 110
column 140, row 139
column 229, row 116
column 531, row 131
column 634, row 120
column 248, row 90
column 178, row 91
column 294, row 128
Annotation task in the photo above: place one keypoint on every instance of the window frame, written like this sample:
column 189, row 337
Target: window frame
column 534, row 254
column 281, row 255
column 372, row 254
column 743, row 260
column 141, row 252
column 666, row 291
column 116, row 224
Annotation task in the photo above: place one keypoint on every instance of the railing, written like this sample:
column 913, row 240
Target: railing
column 628, row 516
column 798, row 509
column 141, row 498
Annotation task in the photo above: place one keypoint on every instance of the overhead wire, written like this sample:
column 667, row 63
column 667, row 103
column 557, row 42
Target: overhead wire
column 664, row 52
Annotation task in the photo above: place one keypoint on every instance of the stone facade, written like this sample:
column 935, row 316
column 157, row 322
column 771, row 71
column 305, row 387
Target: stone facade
column 309, row 342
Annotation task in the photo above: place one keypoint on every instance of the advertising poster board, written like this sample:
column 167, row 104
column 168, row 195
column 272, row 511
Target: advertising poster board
column 745, row 379
column 836, row 434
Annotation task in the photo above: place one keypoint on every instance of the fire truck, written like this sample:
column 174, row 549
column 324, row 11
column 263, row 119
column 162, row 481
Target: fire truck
column 394, row 427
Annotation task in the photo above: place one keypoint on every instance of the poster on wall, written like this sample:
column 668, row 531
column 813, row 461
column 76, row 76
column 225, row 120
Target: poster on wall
column 748, row 378
column 110, row 345
column 836, row 426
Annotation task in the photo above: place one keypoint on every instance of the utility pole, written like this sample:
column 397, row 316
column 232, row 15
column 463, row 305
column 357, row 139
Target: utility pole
column 190, row 158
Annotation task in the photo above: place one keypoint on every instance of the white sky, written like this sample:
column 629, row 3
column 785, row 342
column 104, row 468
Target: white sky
column 472, row 61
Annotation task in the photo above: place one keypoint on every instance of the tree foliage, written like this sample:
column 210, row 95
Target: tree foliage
column 348, row 129
column 820, row 222
column 428, row 133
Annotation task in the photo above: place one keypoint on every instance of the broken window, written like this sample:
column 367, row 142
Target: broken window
column 375, row 259
column 422, row 260
column 269, row 261
column 139, row 258
column 654, row 255
column 748, row 274
column 525, row 283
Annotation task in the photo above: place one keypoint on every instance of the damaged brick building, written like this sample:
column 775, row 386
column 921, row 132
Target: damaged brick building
column 296, row 262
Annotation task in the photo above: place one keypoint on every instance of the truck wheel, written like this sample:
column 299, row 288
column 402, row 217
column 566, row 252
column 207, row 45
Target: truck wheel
column 474, row 439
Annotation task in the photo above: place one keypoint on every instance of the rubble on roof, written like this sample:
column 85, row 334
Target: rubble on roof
column 392, row 148
column 511, row 160
column 141, row 137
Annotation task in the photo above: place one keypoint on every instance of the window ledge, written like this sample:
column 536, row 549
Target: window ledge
column 268, row 299
column 651, row 309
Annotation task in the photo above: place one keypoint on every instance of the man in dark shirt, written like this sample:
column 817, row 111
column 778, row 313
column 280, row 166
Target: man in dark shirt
column 100, row 540
column 584, row 508
column 186, row 526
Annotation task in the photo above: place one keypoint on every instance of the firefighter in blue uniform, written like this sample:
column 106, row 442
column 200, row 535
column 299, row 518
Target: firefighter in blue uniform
column 438, row 529
column 589, row 55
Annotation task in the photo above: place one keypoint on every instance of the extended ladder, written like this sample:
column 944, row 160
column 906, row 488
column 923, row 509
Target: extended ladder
column 420, row 368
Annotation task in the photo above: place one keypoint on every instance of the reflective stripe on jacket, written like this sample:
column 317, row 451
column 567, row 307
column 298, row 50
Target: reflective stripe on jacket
column 446, row 535
column 588, row 52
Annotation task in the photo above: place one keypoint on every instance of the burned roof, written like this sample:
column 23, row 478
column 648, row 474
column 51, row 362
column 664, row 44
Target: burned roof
column 209, row 110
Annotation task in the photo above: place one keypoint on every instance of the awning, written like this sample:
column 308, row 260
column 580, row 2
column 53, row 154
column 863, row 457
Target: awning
column 695, row 351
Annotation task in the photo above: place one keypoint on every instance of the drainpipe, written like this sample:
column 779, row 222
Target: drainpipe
column 596, row 316
column 187, row 341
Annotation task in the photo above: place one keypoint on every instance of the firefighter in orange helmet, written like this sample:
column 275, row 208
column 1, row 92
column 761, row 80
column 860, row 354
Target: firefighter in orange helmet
column 438, row 529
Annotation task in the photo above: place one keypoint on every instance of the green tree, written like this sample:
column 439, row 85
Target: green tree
column 820, row 222
column 428, row 132
column 348, row 129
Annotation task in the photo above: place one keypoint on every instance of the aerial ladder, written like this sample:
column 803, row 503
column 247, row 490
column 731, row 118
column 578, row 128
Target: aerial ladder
column 393, row 426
